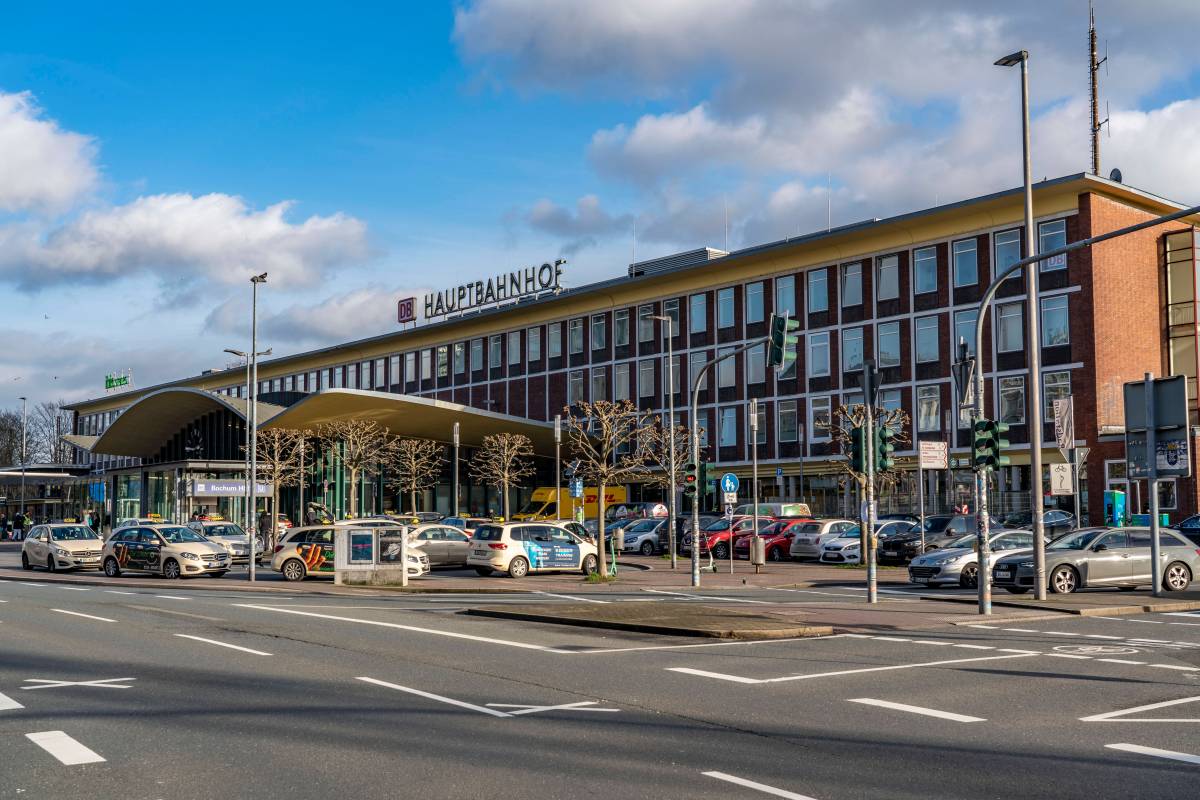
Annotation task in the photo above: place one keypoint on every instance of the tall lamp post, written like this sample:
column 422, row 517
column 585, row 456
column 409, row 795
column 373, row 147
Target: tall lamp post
column 1034, row 345
column 456, row 469
column 248, row 513
column 670, row 336
column 253, row 430
column 24, row 441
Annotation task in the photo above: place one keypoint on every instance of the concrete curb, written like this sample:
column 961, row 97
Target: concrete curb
column 667, row 630
column 1088, row 611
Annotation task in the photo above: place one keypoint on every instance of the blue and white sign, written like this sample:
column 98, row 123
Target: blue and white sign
column 729, row 482
column 228, row 488
column 577, row 488
column 779, row 472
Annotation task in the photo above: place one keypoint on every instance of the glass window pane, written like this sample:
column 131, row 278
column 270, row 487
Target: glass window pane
column 671, row 309
column 554, row 340
column 818, row 290
column 1008, row 251
column 599, row 384
column 443, row 361
column 889, row 344
column 925, row 267
column 1056, row 328
column 575, row 336
column 727, row 430
column 927, row 339
column 754, row 302
column 426, row 364
column 1011, row 323
column 889, row 399
column 496, row 349
column 787, row 421
column 646, row 379
column 460, row 358
column 533, row 344
column 621, row 328
column 964, row 330
column 888, row 287
column 599, row 332
column 725, row 307
column 726, row 370
column 818, row 419
column 852, row 284
column 966, row 263
column 477, row 354
column 695, row 363
column 697, row 314
column 785, row 295
column 756, row 364
column 1051, row 236
column 1055, row 386
column 1012, row 400
column 929, row 399
column 818, row 354
column 621, row 382
column 852, row 349
column 645, row 323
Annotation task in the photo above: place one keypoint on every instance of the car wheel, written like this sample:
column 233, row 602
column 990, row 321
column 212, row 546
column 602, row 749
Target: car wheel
column 1176, row 577
column 591, row 564
column 25, row 561
column 484, row 571
column 969, row 577
column 50, row 565
column 518, row 567
column 111, row 568
column 171, row 569
column 293, row 570
column 647, row 548
column 1016, row 589
column 1064, row 580
column 721, row 551
column 775, row 555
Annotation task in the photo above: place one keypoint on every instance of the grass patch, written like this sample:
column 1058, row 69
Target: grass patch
column 599, row 577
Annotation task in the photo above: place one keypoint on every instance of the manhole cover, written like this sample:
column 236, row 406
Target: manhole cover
column 1095, row 650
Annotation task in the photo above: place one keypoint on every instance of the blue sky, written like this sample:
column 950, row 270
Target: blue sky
column 144, row 148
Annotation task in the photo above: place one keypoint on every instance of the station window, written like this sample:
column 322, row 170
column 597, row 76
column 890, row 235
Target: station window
column 852, row 284
column 725, row 317
column 925, row 269
column 575, row 387
column 1056, row 326
column 818, row 354
column 621, row 382
column 966, row 263
column 514, row 347
column 460, row 358
column 443, row 361
column 575, row 336
column 645, row 323
column 888, row 287
column 852, row 349
column 599, row 332
column 726, row 369
column 929, row 408
column 787, row 421
column 888, row 344
column 818, row 290
column 698, row 313
column 671, row 309
column 495, row 352
column 785, row 295
column 621, row 327
column 1007, row 245
column 1051, row 236
column 927, row 339
column 554, row 340
column 756, row 364
column 646, row 378
column 727, row 427
column 426, row 364
column 1010, row 317
column 599, row 384
column 1012, row 400
column 476, row 354
column 533, row 344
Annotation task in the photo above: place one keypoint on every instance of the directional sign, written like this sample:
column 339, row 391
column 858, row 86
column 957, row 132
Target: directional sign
column 729, row 482
column 730, row 498
column 934, row 455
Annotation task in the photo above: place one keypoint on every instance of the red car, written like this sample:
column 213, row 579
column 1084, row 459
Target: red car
column 714, row 538
column 777, row 540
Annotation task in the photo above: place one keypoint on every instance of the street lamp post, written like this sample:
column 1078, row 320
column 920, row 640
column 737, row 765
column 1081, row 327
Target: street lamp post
column 253, row 432
column 670, row 336
column 24, row 441
column 456, row 469
column 248, row 512
column 1034, row 344
column 558, row 468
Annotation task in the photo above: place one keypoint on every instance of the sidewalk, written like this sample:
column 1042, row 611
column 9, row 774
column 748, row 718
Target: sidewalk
column 1095, row 603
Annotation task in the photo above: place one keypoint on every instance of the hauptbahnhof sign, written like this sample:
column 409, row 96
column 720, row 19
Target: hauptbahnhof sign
column 506, row 286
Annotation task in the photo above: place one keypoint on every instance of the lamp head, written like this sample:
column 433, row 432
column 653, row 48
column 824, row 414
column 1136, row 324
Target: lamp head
column 1013, row 59
column 259, row 278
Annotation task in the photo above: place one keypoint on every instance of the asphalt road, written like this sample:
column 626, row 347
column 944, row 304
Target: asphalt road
column 183, row 693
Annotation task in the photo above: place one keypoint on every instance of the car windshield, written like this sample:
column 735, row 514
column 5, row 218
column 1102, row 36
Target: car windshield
column 224, row 529
column 718, row 525
column 1021, row 519
column 177, row 535
column 73, row 533
column 488, row 533
column 810, row 527
column 1074, row 541
column 966, row 540
column 936, row 524
column 642, row 526
column 853, row 533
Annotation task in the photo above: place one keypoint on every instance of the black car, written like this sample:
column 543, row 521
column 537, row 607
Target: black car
column 940, row 530
column 1189, row 528
column 897, row 516
column 1054, row 521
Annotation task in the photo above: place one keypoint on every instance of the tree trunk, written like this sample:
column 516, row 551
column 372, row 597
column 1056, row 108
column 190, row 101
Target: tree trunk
column 412, row 499
column 504, row 490
column 601, row 536
column 354, row 493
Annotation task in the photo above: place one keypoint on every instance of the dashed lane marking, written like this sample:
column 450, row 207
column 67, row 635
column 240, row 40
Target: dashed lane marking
column 926, row 712
column 222, row 644
column 789, row 678
column 572, row 597
column 75, row 588
column 440, row 698
column 8, row 704
column 172, row 597
column 85, row 616
column 66, row 749
column 114, row 591
column 1172, row 755
column 1120, row 714
column 713, row 597
column 761, row 787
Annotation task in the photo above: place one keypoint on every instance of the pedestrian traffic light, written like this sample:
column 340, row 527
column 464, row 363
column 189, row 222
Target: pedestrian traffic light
column 884, row 448
column 988, row 444
column 858, row 451
column 781, row 350
column 689, row 480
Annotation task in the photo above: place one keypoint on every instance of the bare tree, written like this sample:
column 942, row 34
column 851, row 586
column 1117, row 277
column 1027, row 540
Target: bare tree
column 608, row 440
column 48, row 423
column 503, row 462
column 660, row 443
column 10, row 436
column 281, row 456
column 414, row 464
column 362, row 445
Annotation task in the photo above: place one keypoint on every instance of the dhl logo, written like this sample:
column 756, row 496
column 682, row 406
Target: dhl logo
column 313, row 555
column 608, row 498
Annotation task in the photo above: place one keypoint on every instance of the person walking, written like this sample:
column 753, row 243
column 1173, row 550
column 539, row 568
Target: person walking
column 3, row 526
column 19, row 526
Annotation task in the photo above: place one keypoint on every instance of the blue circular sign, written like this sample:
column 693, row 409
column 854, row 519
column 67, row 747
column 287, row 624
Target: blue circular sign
column 729, row 482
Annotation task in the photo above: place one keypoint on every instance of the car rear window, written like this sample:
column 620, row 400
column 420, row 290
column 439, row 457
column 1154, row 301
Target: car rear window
column 488, row 533
column 811, row 527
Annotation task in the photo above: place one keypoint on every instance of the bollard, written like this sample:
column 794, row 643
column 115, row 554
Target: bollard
column 758, row 555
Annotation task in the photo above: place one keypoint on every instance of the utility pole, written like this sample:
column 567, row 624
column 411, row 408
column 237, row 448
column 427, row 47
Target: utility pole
column 558, row 469
column 868, row 512
column 24, row 442
column 753, row 477
column 456, row 471
column 253, row 435
column 1094, row 70
column 671, row 388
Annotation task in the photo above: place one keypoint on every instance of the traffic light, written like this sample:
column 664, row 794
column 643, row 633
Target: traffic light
column 988, row 444
column 858, row 451
column 689, row 480
column 781, row 350
column 884, row 448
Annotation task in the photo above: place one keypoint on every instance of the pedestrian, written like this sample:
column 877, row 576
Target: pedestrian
column 3, row 526
column 310, row 515
column 19, row 526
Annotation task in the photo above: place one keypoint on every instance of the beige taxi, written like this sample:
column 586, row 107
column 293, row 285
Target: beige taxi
column 61, row 546
column 172, row 551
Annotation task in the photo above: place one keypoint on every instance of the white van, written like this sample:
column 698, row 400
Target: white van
column 519, row 548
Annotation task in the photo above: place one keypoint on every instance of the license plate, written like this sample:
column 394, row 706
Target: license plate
column 1003, row 573
column 90, row 559
column 889, row 552
column 481, row 552
column 921, row 580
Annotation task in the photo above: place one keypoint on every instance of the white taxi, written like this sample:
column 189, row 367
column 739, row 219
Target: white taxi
column 62, row 546
column 519, row 548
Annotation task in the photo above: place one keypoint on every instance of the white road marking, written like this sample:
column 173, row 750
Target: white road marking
column 85, row 616
column 715, row 644
column 931, row 641
column 975, row 646
column 1121, row 661
column 450, row 700
column 154, row 610
column 989, row 627
column 1137, row 639
column 927, row 712
column 1012, row 650
column 1086, row 635
column 1015, row 630
column 8, row 704
column 27, row 583
column 1119, row 715
column 106, row 683
column 1172, row 666
column 1187, row 758
column 787, row 678
column 76, row 588
column 222, row 644
column 762, row 787
column 712, row 597
column 1068, row 655
column 64, row 748
column 413, row 628
column 114, row 591
column 586, row 705
column 876, row 638
column 811, row 591
column 1179, row 614
column 172, row 596
column 565, row 596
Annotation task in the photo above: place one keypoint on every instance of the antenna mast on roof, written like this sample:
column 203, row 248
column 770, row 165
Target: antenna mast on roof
column 725, row 200
column 828, row 202
column 1094, row 69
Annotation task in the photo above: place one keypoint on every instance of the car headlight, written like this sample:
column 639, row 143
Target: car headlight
column 1026, row 565
column 59, row 551
column 940, row 562
column 192, row 556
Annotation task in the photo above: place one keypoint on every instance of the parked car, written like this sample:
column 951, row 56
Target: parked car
column 807, row 541
column 1189, row 528
column 627, row 511
column 643, row 535
column 777, row 540
column 957, row 564
column 466, row 524
column 307, row 551
column 172, row 551
column 715, row 537
column 228, row 535
column 445, row 545
column 775, row 510
column 845, row 548
column 1054, row 521
column 1093, row 557
column 898, row 516
column 519, row 548
column 940, row 530
column 64, row 546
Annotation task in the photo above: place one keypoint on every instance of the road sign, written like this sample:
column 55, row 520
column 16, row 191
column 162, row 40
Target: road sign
column 1171, row 429
column 730, row 498
column 779, row 472
column 729, row 482
column 1060, row 480
column 935, row 455
column 577, row 488
column 1064, row 425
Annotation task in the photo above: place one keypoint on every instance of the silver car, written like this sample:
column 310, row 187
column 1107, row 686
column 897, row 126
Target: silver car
column 957, row 564
column 1095, row 557
column 812, row 535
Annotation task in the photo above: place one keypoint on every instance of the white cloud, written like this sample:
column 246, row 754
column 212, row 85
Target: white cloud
column 580, row 228
column 181, row 238
column 42, row 167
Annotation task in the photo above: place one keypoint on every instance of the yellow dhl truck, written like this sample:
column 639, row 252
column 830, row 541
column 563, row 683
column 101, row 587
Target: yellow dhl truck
column 542, row 504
